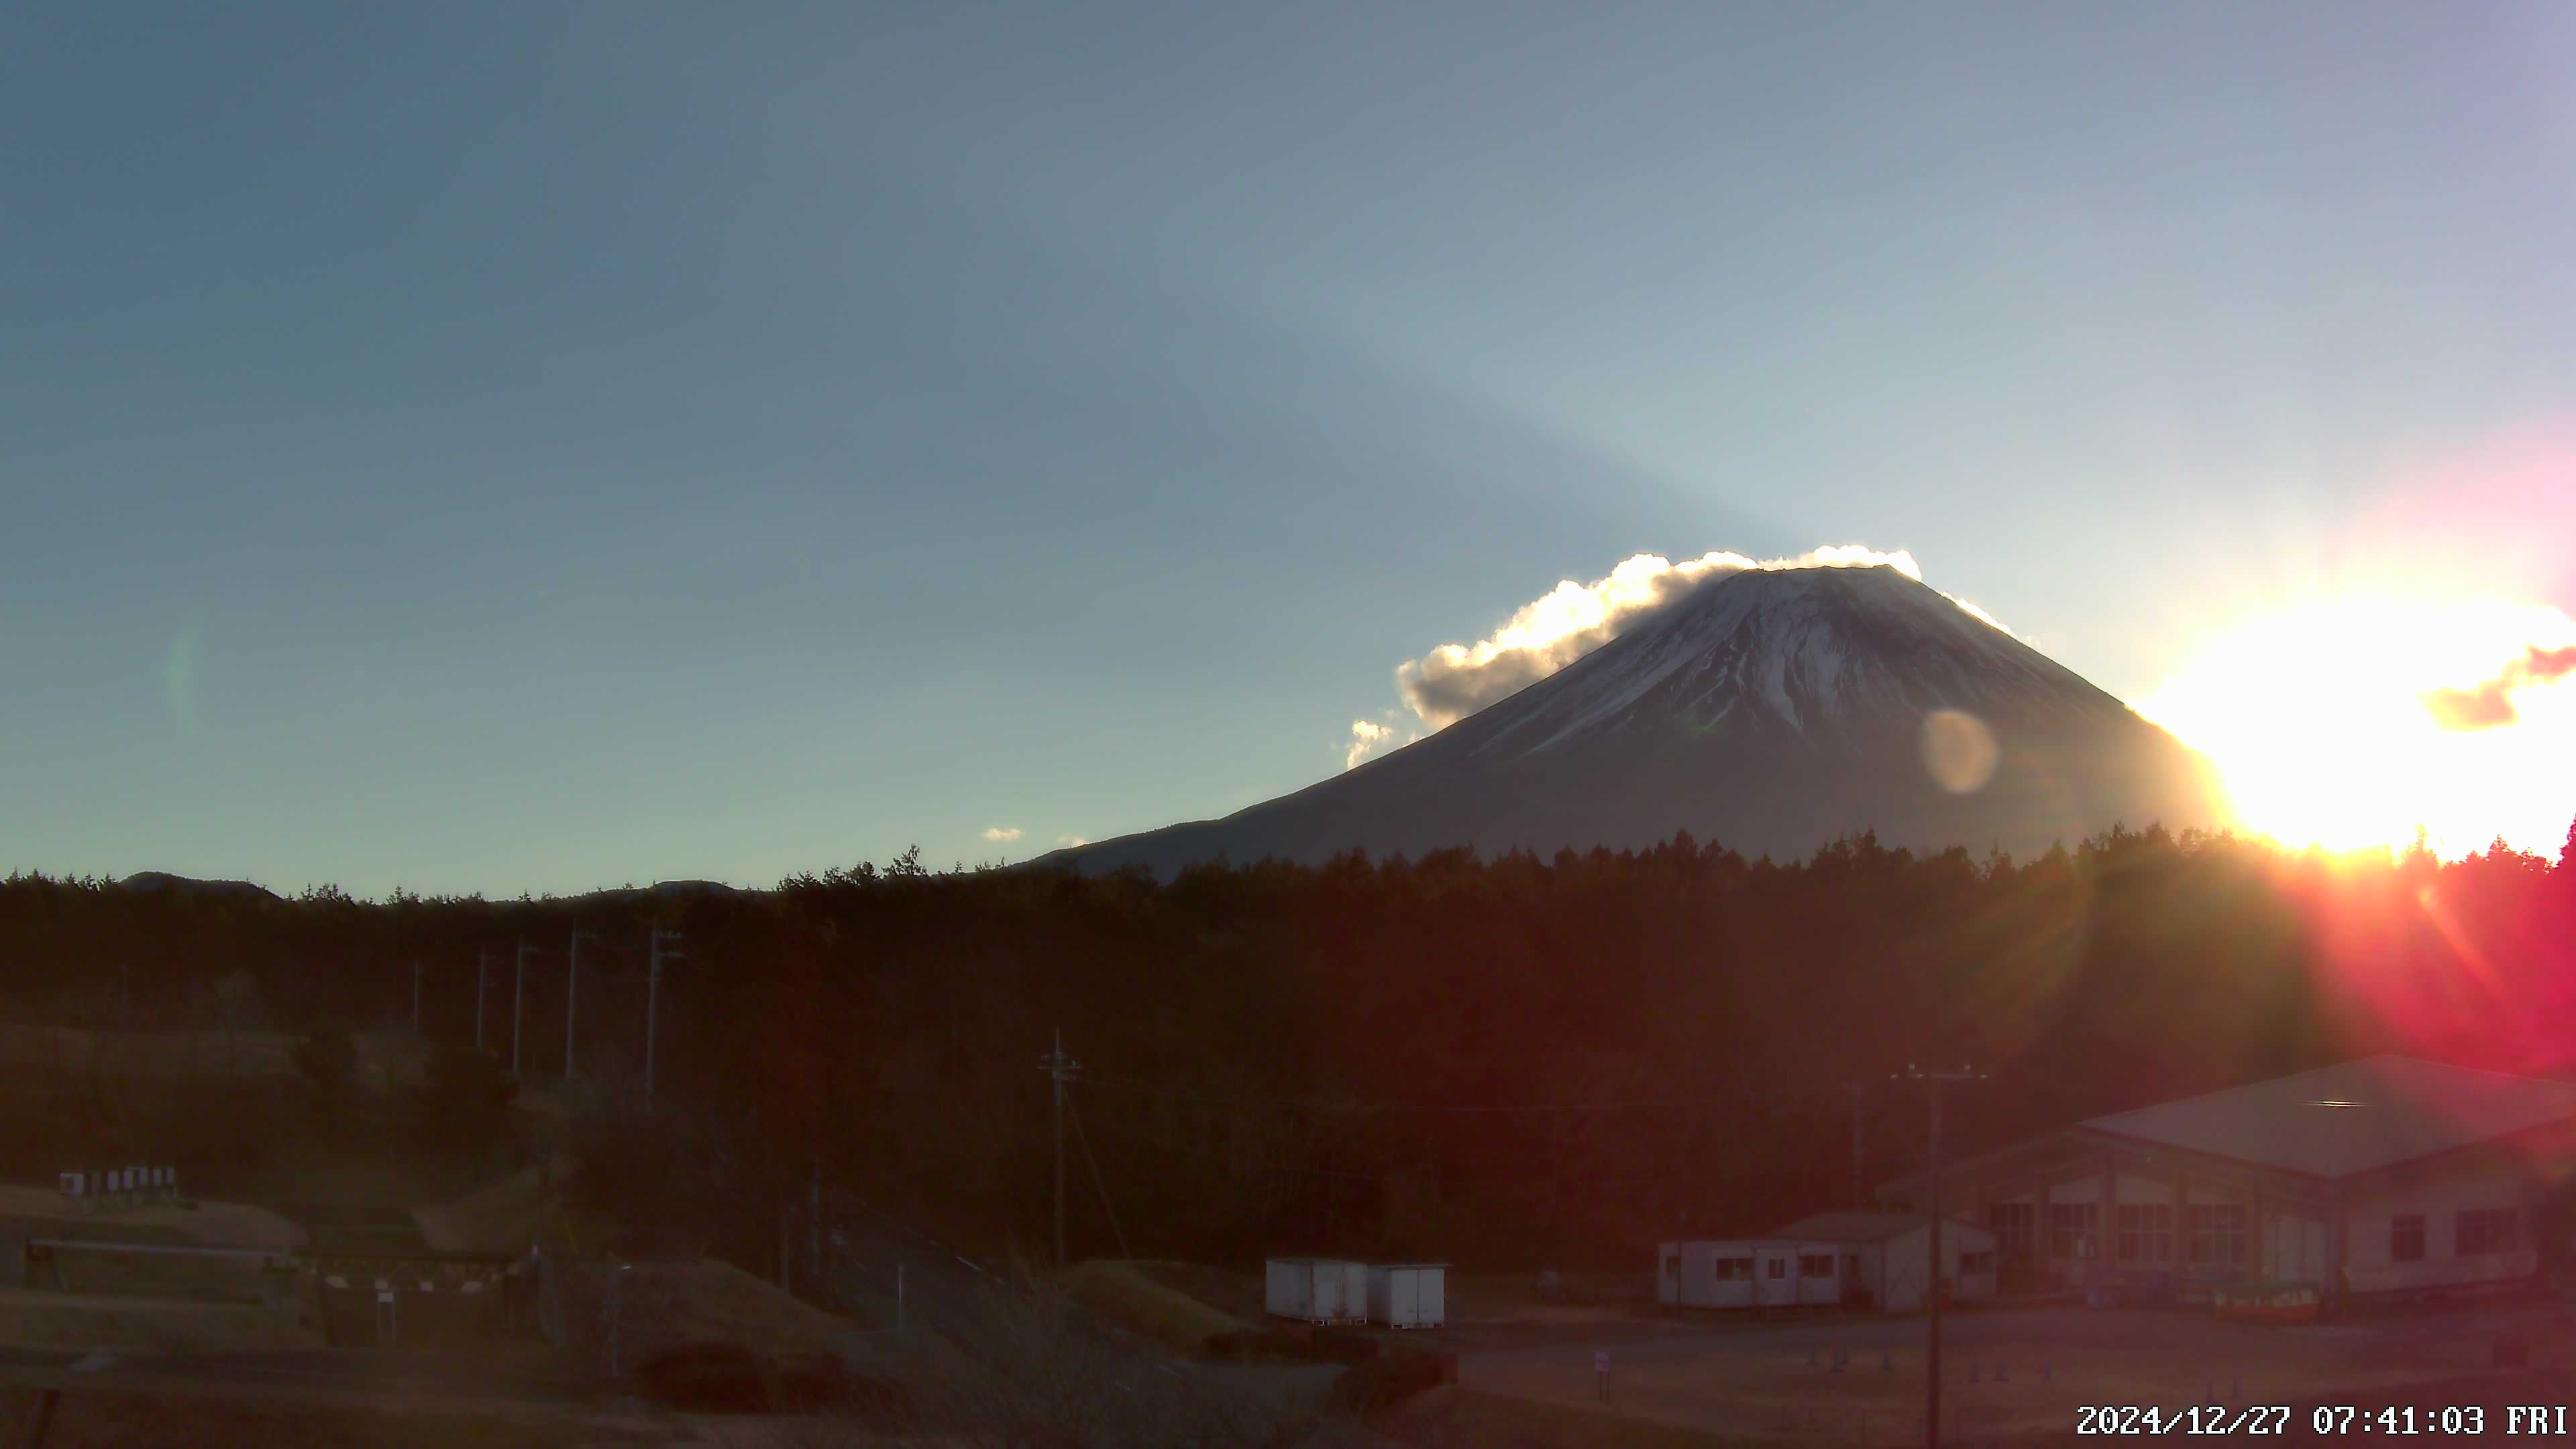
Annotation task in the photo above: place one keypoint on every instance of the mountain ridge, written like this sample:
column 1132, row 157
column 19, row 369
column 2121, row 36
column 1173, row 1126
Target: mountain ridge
column 1773, row 711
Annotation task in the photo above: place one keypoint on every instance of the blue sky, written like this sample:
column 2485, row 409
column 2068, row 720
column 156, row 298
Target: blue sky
column 540, row 446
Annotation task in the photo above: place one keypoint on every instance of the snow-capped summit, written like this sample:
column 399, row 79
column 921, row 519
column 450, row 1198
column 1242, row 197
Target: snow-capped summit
column 1771, row 710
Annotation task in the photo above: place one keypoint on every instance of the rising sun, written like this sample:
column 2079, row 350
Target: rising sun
column 2353, row 723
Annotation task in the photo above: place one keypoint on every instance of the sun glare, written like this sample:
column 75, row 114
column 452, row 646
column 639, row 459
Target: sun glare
column 2342, row 724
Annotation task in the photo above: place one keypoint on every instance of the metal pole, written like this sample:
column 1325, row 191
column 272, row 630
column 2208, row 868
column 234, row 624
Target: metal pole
column 1058, row 1074
column 518, row 1004
column 1932, row 1425
column 616, row 1286
column 653, row 1001
column 1062, row 1069
column 482, row 968
column 1932, row 1319
column 572, row 998
column 1857, row 1199
column 898, row 1298
column 415, row 996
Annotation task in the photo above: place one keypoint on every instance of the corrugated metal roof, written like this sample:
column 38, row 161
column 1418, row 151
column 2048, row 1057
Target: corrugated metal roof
column 1860, row 1227
column 2351, row 1118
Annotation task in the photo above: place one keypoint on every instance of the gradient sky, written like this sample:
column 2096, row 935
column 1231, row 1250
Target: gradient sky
column 542, row 446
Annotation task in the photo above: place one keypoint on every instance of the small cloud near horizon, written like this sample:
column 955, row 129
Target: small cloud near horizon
column 2489, row 704
column 1003, row 834
column 1072, row 840
column 1369, row 736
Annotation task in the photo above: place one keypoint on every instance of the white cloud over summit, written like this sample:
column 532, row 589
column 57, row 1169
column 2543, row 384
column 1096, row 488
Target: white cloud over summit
column 1454, row 681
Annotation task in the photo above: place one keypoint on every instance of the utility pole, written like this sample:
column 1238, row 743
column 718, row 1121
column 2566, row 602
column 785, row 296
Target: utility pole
column 1858, row 1201
column 415, row 996
column 518, row 1004
column 653, row 997
column 1932, row 1323
column 1062, row 1069
column 572, row 995
column 482, row 969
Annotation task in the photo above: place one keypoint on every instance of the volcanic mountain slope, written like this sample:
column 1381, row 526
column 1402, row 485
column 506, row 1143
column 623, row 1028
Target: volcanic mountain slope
column 1772, row 711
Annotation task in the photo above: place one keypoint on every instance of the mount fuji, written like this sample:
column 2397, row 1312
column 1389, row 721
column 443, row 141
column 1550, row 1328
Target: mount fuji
column 1769, row 710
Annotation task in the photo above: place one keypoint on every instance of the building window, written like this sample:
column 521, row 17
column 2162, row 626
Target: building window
column 2485, row 1230
column 1976, row 1262
column 2217, row 1234
column 1735, row 1269
column 2146, row 1232
column 2406, row 1238
column 2071, row 1224
column 1815, row 1265
column 1779, row 1267
column 2012, row 1223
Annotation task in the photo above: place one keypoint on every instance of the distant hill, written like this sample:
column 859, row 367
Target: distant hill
column 157, row 880
column 1771, row 711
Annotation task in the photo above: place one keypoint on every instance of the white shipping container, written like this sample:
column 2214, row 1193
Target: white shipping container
column 1408, row 1295
column 1318, row 1290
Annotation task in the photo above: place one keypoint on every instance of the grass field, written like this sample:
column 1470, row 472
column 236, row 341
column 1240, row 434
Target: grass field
column 1137, row 1298
column 2025, row 1372
column 130, row 1420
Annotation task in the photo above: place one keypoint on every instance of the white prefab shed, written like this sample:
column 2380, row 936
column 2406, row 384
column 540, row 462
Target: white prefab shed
column 1887, row 1257
column 1775, row 1272
column 1318, row 1290
column 1408, row 1295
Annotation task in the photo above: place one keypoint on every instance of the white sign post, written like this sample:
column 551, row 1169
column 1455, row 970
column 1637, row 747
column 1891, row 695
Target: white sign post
column 1601, row 1373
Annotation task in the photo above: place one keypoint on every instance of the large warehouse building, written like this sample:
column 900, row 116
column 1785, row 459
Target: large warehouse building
column 2381, row 1176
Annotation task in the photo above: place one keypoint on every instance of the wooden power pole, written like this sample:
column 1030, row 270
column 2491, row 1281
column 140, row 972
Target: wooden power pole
column 1932, row 1291
column 1062, row 1069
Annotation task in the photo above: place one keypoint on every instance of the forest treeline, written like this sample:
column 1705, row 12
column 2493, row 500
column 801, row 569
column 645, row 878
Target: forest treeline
column 1506, row 1062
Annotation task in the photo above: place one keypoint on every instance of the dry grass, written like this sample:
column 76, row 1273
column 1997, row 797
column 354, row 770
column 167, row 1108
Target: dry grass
column 1752, row 1384
column 91, row 1419
column 1126, row 1295
column 42, row 1212
column 1028, row 1368
column 673, row 1305
column 1455, row 1418
column 502, row 1216
column 88, row 1321
column 385, row 1059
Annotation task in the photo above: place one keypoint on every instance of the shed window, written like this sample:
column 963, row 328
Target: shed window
column 2012, row 1223
column 2406, row 1238
column 1815, row 1265
column 1779, row 1267
column 1735, row 1269
column 2146, row 1232
column 2485, row 1230
column 1980, row 1262
column 2217, row 1233
column 2069, row 1224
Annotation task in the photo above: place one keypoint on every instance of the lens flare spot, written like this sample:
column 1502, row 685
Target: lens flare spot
column 1959, row 751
